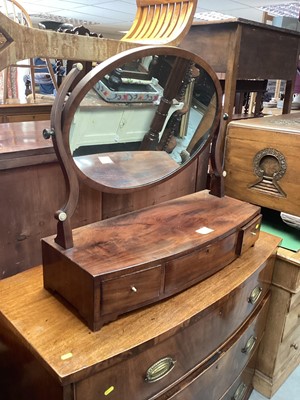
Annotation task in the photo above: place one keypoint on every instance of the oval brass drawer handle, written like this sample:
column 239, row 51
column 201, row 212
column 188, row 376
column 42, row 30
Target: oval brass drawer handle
column 160, row 369
column 255, row 295
column 240, row 392
column 249, row 345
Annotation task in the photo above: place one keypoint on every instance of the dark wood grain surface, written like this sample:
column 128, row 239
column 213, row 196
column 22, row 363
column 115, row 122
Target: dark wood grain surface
column 156, row 233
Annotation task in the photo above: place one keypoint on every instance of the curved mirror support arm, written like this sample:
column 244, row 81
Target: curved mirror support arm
column 217, row 174
column 64, row 231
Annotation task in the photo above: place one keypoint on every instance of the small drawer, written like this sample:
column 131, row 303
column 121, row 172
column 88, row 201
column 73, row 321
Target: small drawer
column 288, row 349
column 295, row 300
column 192, row 268
column 292, row 321
column 127, row 292
column 248, row 235
column 242, row 386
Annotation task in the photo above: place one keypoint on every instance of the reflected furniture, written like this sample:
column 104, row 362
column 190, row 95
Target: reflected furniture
column 213, row 336
column 244, row 51
column 264, row 171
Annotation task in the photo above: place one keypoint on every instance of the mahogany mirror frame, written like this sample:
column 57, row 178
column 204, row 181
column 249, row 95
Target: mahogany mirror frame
column 63, row 112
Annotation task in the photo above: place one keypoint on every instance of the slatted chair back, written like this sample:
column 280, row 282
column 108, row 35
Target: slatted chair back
column 163, row 22
column 18, row 14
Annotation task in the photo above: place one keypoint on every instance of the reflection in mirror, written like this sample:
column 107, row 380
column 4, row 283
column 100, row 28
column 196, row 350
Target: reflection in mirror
column 143, row 120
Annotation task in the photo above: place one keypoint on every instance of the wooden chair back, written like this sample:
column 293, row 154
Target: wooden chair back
column 163, row 22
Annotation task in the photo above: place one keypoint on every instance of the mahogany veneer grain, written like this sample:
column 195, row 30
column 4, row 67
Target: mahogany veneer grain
column 129, row 261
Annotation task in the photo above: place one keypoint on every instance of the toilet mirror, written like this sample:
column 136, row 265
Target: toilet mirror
column 140, row 117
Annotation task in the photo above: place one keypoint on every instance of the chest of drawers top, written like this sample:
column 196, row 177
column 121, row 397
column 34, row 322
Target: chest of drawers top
column 75, row 352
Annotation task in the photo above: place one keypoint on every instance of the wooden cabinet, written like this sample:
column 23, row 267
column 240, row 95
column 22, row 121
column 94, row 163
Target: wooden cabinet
column 279, row 353
column 176, row 349
column 262, row 156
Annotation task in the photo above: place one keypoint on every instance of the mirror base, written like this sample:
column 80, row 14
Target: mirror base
column 133, row 260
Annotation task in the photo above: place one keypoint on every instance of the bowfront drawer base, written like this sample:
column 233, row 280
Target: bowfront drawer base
column 197, row 344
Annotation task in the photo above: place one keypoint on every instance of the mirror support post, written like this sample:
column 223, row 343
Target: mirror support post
column 64, row 230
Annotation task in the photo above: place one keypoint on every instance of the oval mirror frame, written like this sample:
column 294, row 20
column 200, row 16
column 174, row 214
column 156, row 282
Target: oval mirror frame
column 62, row 120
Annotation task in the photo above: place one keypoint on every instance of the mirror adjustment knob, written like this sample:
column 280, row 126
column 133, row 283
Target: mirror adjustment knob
column 61, row 216
column 47, row 133
column 225, row 117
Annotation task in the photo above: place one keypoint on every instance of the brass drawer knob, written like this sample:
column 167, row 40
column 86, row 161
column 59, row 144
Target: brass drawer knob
column 240, row 392
column 255, row 295
column 134, row 289
column 294, row 346
column 249, row 345
column 159, row 370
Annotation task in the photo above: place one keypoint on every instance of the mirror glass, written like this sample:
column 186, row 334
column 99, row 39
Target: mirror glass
column 143, row 119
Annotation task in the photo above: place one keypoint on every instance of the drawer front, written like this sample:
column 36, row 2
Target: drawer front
column 225, row 370
column 189, row 269
column 295, row 300
column 288, row 349
column 187, row 348
column 130, row 291
column 292, row 321
column 248, row 235
column 242, row 386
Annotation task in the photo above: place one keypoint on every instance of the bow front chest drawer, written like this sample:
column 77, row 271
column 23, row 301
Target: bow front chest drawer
column 176, row 349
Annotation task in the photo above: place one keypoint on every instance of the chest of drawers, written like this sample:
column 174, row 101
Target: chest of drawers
column 279, row 353
column 176, row 349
